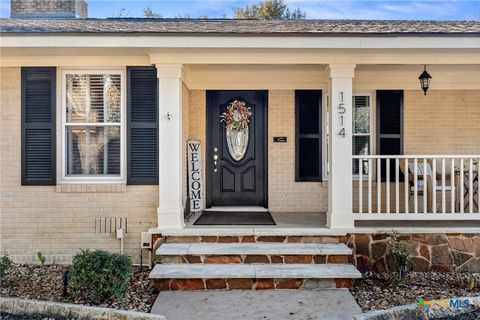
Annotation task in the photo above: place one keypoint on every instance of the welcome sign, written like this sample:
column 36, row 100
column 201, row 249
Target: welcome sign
column 195, row 185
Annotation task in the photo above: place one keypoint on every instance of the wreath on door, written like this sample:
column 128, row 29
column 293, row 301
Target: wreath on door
column 236, row 116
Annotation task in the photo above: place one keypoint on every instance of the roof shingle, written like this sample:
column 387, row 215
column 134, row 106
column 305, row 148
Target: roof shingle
column 246, row 27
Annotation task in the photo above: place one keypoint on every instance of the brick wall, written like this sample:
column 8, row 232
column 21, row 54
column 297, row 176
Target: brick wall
column 442, row 122
column 49, row 8
column 197, row 123
column 59, row 220
column 284, row 194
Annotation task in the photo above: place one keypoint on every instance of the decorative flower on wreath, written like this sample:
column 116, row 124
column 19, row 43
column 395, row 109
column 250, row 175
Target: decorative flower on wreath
column 236, row 116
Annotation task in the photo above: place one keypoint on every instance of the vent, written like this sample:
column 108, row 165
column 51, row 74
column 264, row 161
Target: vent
column 109, row 225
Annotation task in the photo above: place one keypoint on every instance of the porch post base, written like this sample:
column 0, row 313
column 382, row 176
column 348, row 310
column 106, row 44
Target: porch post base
column 170, row 218
column 340, row 220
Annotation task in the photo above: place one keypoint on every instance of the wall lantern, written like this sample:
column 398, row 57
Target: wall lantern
column 425, row 79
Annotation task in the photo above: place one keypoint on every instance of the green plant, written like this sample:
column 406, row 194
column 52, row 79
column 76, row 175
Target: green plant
column 5, row 264
column 399, row 255
column 473, row 281
column 99, row 275
column 41, row 257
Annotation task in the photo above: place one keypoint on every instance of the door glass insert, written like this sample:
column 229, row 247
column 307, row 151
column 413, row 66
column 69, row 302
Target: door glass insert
column 237, row 142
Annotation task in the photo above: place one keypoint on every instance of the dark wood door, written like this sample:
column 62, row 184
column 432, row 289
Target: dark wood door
column 230, row 181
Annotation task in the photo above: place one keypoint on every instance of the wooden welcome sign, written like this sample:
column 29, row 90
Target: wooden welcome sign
column 195, row 185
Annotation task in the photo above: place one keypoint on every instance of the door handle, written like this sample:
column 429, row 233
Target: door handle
column 215, row 158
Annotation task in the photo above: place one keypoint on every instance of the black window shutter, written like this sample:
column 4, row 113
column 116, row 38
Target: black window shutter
column 308, row 135
column 38, row 125
column 389, row 125
column 142, row 125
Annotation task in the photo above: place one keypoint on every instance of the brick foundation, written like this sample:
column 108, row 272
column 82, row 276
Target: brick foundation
column 288, row 259
column 249, row 284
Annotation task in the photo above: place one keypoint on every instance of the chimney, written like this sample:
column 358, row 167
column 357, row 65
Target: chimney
column 49, row 9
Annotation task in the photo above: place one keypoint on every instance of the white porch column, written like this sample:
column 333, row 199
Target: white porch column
column 170, row 210
column 340, row 214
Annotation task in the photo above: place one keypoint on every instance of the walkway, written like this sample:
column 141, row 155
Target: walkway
column 331, row 304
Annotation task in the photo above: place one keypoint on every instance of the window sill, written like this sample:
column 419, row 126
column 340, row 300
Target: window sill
column 92, row 187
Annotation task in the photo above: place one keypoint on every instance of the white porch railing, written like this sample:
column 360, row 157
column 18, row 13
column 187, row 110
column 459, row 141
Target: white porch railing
column 416, row 187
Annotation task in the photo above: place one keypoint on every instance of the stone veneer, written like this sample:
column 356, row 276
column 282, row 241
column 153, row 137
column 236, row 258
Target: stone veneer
column 428, row 252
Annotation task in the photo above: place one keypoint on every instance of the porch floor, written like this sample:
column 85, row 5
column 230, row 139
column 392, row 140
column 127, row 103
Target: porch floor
column 314, row 224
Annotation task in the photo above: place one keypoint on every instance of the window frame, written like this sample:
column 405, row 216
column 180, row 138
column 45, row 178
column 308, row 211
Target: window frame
column 320, row 138
column 373, row 123
column 379, row 136
column 372, row 120
column 64, row 178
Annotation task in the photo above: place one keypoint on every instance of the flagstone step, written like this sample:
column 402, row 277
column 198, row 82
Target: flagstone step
column 252, row 276
column 208, row 249
column 261, row 271
column 243, row 235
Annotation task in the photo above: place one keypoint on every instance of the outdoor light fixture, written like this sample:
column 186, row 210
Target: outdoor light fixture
column 425, row 79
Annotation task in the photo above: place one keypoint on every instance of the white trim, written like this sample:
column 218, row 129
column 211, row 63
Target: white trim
column 93, row 179
column 325, row 98
column 419, row 156
column 372, row 127
column 417, row 216
column 239, row 41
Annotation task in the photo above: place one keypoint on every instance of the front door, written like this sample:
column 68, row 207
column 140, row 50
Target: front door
column 236, row 148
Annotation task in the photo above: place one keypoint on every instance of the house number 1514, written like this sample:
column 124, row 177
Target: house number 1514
column 341, row 112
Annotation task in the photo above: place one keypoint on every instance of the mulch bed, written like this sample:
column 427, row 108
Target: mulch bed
column 46, row 283
column 374, row 291
column 377, row 291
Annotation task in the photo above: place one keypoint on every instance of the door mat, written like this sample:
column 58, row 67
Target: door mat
column 216, row 218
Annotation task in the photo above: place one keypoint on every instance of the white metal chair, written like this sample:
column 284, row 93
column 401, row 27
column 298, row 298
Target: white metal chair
column 426, row 170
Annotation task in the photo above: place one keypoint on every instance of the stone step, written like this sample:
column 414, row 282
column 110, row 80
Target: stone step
column 269, row 249
column 250, row 276
column 261, row 271
column 243, row 236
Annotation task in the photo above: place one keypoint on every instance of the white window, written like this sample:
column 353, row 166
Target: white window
column 93, row 126
column 361, row 130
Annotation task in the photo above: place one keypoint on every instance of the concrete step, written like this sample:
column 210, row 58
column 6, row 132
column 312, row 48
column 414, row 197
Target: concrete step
column 245, row 235
column 252, row 276
column 209, row 249
column 261, row 271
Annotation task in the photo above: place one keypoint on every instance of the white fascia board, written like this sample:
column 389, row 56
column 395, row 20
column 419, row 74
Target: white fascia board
column 259, row 42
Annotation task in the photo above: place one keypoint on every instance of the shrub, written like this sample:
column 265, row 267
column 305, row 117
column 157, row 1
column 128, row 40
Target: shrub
column 5, row 264
column 398, row 251
column 99, row 275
